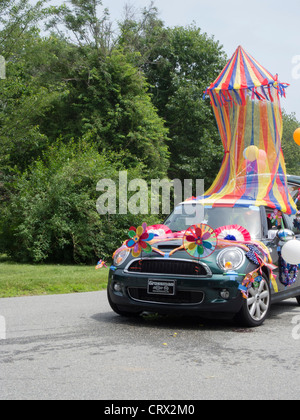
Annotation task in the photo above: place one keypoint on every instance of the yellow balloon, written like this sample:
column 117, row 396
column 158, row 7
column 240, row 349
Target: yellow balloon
column 297, row 136
column 251, row 153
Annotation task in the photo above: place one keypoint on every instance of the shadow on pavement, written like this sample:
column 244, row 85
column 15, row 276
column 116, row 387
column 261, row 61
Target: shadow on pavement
column 180, row 322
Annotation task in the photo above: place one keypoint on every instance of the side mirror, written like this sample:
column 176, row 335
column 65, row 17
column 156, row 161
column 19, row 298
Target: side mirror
column 282, row 235
column 285, row 235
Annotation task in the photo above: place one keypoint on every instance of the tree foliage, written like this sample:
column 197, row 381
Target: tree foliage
column 290, row 149
column 52, row 215
column 179, row 64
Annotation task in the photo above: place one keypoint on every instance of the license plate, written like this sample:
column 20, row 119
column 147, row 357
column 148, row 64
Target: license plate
column 161, row 287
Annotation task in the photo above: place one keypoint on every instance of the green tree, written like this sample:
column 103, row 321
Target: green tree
column 82, row 24
column 17, row 19
column 78, row 91
column 22, row 100
column 179, row 64
column 108, row 104
column 52, row 213
column 291, row 150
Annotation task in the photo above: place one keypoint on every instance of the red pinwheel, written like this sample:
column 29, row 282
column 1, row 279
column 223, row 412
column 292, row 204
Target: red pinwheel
column 199, row 241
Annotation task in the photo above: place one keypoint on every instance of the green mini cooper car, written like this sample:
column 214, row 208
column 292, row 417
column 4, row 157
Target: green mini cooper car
column 241, row 274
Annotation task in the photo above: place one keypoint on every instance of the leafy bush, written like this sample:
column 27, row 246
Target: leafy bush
column 52, row 214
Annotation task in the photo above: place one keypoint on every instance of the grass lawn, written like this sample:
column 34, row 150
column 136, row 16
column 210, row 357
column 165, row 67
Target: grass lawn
column 28, row 280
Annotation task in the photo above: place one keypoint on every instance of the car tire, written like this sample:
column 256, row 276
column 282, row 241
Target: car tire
column 256, row 307
column 118, row 311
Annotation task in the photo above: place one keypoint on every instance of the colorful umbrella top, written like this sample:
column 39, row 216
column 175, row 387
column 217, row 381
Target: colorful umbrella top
column 243, row 72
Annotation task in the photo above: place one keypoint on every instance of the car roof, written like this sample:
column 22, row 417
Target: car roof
column 293, row 179
column 221, row 202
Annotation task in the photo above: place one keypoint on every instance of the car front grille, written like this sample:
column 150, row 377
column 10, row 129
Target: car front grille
column 181, row 297
column 167, row 266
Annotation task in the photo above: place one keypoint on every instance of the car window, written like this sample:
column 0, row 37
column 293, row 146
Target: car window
column 187, row 215
column 294, row 222
column 294, row 190
column 275, row 219
column 278, row 220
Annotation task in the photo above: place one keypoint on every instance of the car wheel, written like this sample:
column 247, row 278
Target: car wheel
column 256, row 307
column 118, row 311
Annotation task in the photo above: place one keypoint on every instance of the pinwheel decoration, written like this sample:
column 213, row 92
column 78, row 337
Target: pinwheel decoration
column 139, row 240
column 200, row 241
column 233, row 233
column 100, row 264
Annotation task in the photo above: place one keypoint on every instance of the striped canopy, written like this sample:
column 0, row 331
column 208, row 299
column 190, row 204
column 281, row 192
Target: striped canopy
column 246, row 103
column 244, row 74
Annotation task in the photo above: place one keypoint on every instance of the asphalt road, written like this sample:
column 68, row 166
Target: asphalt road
column 74, row 347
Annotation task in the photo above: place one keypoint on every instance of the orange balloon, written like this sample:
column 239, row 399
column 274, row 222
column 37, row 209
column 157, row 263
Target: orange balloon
column 262, row 160
column 297, row 136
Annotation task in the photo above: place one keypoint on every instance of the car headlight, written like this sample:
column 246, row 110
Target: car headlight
column 231, row 258
column 121, row 256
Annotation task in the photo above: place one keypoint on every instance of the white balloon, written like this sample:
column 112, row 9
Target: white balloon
column 290, row 252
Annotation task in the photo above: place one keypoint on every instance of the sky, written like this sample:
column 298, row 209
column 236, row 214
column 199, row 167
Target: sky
column 269, row 30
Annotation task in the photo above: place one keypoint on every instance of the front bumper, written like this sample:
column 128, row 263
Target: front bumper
column 193, row 296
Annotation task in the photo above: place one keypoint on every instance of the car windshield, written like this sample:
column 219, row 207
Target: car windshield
column 186, row 215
